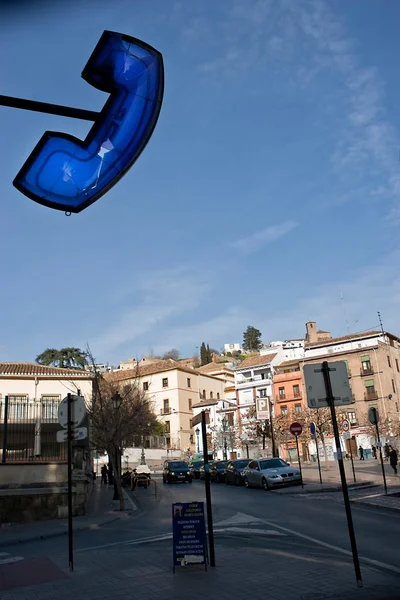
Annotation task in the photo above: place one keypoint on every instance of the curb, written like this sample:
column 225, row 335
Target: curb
column 374, row 506
column 322, row 489
column 37, row 537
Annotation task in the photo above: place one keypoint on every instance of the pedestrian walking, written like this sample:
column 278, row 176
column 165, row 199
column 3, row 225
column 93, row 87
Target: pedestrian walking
column 104, row 474
column 386, row 450
column 393, row 459
column 373, row 448
column 361, row 451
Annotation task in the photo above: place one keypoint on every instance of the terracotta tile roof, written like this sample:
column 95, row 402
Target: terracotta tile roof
column 152, row 368
column 256, row 361
column 213, row 366
column 288, row 363
column 343, row 338
column 210, row 402
column 34, row 369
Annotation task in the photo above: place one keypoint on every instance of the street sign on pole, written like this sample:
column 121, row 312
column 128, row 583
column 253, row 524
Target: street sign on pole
column 78, row 411
column 262, row 409
column 346, row 426
column 373, row 415
column 315, row 386
column 77, row 434
column 296, row 429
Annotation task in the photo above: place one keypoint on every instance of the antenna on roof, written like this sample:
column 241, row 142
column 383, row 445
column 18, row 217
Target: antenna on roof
column 380, row 323
column 345, row 314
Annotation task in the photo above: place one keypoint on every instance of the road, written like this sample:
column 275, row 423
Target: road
column 322, row 519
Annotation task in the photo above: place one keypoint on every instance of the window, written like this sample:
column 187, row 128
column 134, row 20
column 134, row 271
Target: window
column 351, row 415
column 393, row 387
column 166, row 409
column 145, row 386
column 370, row 387
column 165, row 382
column 297, row 409
column 204, row 394
column 189, row 383
column 190, row 403
column 296, row 391
column 397, row 365
column 167, row 427
column 366, row 364
column 218, row 396
column 50, row 406
column 17, row 406
column 230, row 419
column 391, row 342
column 211, row 394
column 284, row 410
column 263, row 393
column 389, row 365
column 282, row 393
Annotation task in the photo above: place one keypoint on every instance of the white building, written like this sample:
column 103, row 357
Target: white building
column 232, row 348
column 34, row 392
column 286, row 350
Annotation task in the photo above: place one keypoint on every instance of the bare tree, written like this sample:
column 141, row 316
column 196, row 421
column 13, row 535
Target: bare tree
column 118, row 413
column 173, row 354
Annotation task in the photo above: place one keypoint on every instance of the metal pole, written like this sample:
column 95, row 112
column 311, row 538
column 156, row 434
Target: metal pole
column 352, row 462
column 298, row 457
column 208, row 490
column 319, row 463
column 50, row 109
column 5, row 431
column 353, row 543
column 274, row 449
column 69, row 442
column 380, row 452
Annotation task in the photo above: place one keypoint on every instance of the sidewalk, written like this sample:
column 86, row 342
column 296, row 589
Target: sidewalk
column 280, row 567
column 101, row 510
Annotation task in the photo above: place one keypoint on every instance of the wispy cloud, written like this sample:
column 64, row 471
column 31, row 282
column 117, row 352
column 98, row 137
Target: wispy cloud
column 260, row 238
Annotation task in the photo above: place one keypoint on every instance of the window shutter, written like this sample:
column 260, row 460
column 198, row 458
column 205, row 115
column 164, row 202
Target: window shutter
column 369, row 383
column 364, row 358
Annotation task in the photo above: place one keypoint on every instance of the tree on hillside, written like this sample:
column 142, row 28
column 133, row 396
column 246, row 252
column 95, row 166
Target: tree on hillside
column 252, row 339
column 118, row 413
column 66, row 358
column 173, row 354
column 205, row 354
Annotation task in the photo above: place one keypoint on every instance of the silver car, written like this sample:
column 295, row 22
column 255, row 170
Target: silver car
column 267, row 473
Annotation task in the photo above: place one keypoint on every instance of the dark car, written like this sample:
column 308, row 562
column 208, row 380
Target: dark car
column 202, row 469
column 234, row 471
column 195, row 468
column 217, row 471
column 176, row 470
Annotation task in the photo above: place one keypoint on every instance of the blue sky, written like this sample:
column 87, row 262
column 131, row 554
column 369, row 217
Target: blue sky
column 270, row 186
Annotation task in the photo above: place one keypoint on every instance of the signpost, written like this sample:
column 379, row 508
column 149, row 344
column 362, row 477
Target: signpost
column 208, row 489
column 373, row 417
column 315, row 387
column 296, row 429
column 71, row 412
column 320, row 392
column 262, row 409
column 313, row 430
column 189, row 534
column 347, row 436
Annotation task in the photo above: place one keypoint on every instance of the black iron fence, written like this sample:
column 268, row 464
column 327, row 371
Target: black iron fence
column 28, row 431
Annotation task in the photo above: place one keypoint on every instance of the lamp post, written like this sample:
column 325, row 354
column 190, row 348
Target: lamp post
column 224, row 437
column 116, row 402
column 197, row 438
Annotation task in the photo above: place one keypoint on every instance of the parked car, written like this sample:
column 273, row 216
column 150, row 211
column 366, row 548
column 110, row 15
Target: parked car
column 195, row 468
column 202, row 469
column 270, row 472
column 234, row 471
column 176, row 470
column 217, row 471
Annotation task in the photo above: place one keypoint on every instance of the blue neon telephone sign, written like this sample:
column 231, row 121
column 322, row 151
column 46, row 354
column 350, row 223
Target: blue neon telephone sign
column 69, row 174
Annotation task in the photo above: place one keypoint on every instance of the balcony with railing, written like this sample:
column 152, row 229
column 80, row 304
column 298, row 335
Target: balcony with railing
column 371, row 395
column 366, row 371
column 289, row 397
column 166, row 411
column 256, row 381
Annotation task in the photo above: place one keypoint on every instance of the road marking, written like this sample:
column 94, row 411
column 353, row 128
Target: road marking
column 371, row 561
column 6, row 558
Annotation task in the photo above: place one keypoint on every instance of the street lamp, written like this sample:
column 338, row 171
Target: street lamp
column 224, row 437
column 116, row 400
column 198, row 440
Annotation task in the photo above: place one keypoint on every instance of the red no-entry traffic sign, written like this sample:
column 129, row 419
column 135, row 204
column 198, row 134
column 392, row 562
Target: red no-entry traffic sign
column 345, row 425
column 296, row 428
